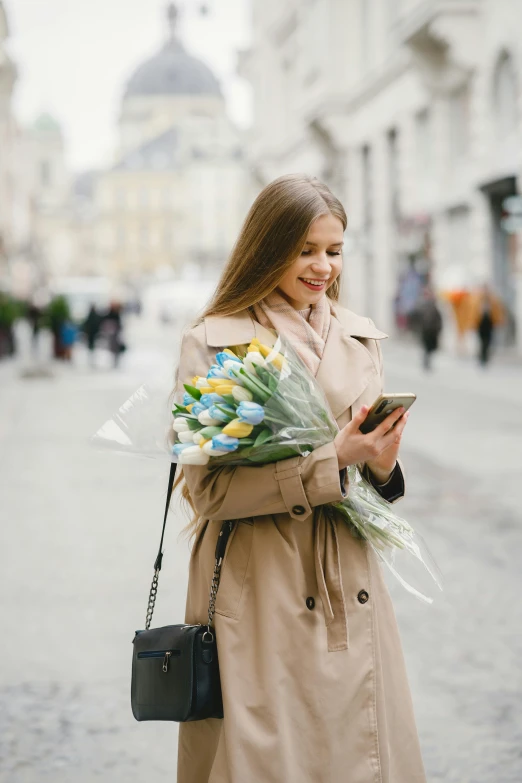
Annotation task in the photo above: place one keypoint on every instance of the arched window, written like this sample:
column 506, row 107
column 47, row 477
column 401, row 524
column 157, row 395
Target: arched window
column 505, row 98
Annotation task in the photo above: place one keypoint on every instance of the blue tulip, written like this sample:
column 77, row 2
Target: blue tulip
column 216, row 372
column 231, row 374
column 210, row 399
column 215, row 413
column 223, row 357
column 224, row 443
column 250, row 412
column 198, row 408
column 188, row 399
column 179, row 447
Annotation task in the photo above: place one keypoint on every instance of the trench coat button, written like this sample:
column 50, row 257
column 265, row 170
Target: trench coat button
column 363, row 597
column 298, row 510
column 310, row 602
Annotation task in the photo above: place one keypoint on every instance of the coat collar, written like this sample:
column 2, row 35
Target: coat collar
column 240, row 328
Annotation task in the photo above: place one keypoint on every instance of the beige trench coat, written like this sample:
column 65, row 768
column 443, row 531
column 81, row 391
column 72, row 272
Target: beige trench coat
column 313, row 676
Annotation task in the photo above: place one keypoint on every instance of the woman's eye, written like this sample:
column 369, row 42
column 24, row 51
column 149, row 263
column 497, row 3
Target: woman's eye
column 334, row 253
column 306, row 252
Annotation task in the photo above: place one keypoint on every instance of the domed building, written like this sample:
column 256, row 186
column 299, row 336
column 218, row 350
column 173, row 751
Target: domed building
column 176, row 193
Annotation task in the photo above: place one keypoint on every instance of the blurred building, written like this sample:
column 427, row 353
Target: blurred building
column 37, row 235
column 412, row 111
column 54, row 235
column 176, row 193
column 16, row 204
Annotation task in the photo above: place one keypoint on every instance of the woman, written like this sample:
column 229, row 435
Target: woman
column 312, row 671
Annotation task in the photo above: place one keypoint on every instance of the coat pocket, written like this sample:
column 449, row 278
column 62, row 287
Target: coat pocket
column 235, row 568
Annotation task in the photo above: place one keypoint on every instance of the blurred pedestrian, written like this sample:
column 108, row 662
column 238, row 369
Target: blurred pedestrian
column 112, row 328
column 429, row 320
column 68, row 336
column 56, row 315
column 34, row 317
column 91, row 329
column 486, row 313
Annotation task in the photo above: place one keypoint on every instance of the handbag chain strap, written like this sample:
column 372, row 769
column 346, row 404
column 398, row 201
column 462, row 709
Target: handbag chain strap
column 224, row 535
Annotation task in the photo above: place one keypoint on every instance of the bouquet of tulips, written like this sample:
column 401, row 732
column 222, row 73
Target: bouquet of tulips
column 259, row 405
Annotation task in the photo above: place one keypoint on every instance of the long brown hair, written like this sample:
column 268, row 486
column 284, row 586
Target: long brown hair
column 271, row 239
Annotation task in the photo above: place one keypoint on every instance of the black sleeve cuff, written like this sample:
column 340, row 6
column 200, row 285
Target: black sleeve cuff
column 343, row 475
column 393, row 489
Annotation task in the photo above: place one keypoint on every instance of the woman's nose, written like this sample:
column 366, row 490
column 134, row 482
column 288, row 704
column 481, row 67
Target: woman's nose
column 321, row 264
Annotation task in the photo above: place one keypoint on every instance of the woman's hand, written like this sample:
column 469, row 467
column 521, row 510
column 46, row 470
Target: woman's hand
column 379, row 449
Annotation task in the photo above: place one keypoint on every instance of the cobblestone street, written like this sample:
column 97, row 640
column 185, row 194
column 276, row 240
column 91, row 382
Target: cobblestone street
column 78, row 538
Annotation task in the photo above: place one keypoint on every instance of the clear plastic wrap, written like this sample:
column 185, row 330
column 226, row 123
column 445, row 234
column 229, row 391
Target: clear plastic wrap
column 142, row 426
column 258, row 405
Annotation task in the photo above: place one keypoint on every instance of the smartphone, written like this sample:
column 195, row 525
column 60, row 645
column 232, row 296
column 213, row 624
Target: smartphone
column 383, row 406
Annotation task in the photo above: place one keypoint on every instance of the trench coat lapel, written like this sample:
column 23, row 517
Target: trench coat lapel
column 347, row 366
column 237, row 329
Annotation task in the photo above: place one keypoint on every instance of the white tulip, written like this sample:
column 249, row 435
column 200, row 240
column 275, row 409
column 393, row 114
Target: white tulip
column 207, row 448
column 193, row 456
column 197, row 438
column 206, row 419
column 253, row 356
column 201, row 383
column 230, row 364
column 180, row 424
column 186, row 437
column 242, row 395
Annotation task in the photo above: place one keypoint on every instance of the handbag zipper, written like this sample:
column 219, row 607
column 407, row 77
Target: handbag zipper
column 165, row 654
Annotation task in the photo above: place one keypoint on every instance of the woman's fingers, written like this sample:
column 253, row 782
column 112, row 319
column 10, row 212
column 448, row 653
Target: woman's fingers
column 359, row 417
column 386, row 425
column 394, row 434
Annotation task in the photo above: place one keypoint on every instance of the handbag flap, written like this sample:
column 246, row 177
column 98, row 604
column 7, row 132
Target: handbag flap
column 154, row 686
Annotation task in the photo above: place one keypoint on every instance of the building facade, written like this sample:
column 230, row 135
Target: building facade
column 16, row 203
column 412, row 111
column 175, row 196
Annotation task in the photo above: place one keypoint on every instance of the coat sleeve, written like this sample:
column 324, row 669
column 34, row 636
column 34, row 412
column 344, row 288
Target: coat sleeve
column 395, row 487
column 292, row 486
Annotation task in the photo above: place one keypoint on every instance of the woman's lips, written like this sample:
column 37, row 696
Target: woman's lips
column 313, row 287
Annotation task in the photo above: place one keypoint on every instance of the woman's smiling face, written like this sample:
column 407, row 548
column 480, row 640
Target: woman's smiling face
column 319, row 264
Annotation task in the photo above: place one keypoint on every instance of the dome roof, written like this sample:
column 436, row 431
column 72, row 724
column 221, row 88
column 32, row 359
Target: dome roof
column 173, row 72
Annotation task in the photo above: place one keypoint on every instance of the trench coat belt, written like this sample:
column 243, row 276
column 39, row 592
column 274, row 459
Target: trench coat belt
column 329, row 580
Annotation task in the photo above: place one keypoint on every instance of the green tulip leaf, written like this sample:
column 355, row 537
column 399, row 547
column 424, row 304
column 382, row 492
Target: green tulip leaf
column 263, row 436
column 192, row 391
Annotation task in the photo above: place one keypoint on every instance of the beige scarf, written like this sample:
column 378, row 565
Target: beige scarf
column 307, row 337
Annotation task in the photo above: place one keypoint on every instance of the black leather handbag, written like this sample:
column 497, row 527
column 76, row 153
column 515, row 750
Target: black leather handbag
column 175, row 669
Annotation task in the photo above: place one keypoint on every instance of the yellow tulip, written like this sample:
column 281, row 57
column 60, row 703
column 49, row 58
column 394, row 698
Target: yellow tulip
column 238, row 429
column 255, row 341
column 278, row 359
column 224, row 388
column 264, row 350
column 216, row 381
column 230, row 353
column 189, row 407
column 202, row 442
column 195, row 379
column 206, row 390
